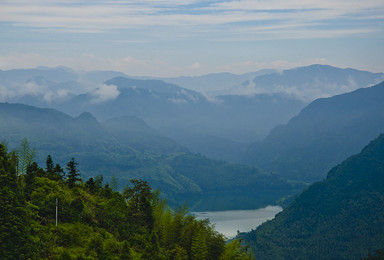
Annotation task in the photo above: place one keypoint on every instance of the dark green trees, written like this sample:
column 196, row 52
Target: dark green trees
column 15, row 238
column 94, row 221
column 73, row 174
column 139, row 199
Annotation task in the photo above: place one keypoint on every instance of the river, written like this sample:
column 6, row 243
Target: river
column 231, row 221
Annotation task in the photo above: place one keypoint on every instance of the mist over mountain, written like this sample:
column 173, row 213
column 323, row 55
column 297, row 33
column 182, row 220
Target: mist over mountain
column 198, row 122
column 311, row 82
column 238, row 110
column 216, row 83
column 45, row 86
column 341, row 217
column 324, row 133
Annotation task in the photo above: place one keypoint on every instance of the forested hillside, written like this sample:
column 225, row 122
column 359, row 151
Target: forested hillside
column 341, row 217
column 126, row 148
column 53, row 213
column 323, row 134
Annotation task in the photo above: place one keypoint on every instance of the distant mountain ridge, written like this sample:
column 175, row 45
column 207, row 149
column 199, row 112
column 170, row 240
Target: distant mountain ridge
column 216, row 83
column 341, row 217
column 324, row 133
column 312, row 82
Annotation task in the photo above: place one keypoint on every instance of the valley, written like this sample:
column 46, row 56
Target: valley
column 211, row 152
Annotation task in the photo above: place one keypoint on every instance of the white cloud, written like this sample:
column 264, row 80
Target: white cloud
column 60, row 94
column 178, row 101
column 5, row 93
column 105, row 93
column 211, row 98
column 103, row 16
column 195, row 66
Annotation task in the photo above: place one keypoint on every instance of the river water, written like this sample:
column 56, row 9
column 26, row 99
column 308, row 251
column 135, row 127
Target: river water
column 231, row 221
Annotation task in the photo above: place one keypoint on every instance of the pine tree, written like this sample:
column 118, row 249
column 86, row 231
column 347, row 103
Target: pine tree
column 49, row 164
column 73, row 173
column 25, row 155
column 15, row 238
column 199, row 246
column 114, row 183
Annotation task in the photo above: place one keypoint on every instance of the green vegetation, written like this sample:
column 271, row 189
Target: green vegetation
column 126, row 148
column 94, row 221
column 341, row 217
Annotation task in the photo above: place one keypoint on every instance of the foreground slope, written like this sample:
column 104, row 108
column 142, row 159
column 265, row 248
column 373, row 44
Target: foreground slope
column 341, row 217
column 53, row 214
column 324, row 133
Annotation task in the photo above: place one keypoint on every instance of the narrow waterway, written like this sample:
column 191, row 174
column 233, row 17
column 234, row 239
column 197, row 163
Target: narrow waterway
column 231, row 221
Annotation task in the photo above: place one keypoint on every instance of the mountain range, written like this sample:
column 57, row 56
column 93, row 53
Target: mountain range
column 219, row 125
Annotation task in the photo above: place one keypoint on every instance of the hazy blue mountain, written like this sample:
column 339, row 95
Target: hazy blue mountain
column 51, row 127
column 152, row 100
column 341, row 217
column 168, row 107
column 127, row 148
column 324, row 133
column 212, row 146
column 135, row 132
column 59, row 74
column 311, row 82
column 215, row 83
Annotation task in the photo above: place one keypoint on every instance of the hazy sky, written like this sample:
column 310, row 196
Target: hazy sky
column 191, row 37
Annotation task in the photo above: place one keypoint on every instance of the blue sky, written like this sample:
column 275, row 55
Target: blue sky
column 191, row 37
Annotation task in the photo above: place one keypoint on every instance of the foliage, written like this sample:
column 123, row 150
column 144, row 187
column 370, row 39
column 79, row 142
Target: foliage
column 15, row 233
column 94, row 222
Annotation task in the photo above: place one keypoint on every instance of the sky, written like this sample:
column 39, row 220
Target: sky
column 164, row 38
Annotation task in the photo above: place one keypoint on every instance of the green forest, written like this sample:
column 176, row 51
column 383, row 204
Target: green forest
column 52, row 213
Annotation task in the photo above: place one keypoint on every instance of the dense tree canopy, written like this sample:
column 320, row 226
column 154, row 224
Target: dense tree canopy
column 94, row 221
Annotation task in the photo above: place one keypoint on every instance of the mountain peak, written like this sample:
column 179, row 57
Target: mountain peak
column 86, row 117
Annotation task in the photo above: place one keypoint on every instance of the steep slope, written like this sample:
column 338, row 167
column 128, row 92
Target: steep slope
column 341, row 217
column 127, row 148
column 322, row 134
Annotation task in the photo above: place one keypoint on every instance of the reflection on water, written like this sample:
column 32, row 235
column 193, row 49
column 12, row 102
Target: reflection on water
column 231, row 221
